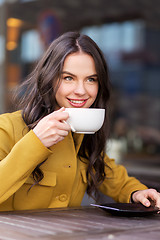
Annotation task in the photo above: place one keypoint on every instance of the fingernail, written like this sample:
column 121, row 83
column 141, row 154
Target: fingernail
column 147, row 203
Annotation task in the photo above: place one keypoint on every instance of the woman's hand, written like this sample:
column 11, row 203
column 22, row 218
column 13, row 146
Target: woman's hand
column 53, row 128
column 147, row 197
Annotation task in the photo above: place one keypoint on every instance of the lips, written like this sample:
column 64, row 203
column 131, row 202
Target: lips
column 77, row 102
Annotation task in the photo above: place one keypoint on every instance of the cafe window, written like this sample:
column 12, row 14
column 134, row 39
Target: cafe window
column 116, row 38
column 136, row 87
column 31, row 47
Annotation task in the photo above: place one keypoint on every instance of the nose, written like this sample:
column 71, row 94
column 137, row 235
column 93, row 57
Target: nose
column 80, row 88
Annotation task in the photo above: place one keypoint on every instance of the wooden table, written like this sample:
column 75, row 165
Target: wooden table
column 86, row 223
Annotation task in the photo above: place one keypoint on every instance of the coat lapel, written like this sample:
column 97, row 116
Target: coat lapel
column 78, row 138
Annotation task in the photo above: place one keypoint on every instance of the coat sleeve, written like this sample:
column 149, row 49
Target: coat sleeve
column 17, row 158
column 117, row 184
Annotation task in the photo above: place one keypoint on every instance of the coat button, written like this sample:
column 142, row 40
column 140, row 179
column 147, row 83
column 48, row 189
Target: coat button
column 63, row 197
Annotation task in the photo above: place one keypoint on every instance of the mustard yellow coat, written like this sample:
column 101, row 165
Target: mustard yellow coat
column 64, row 182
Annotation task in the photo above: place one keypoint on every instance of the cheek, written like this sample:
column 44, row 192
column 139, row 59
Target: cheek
column 62, row 90
column 93, row 92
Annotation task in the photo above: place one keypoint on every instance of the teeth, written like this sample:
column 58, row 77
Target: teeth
column 76, row 101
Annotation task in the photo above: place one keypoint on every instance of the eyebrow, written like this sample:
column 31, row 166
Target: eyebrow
column 65, row 72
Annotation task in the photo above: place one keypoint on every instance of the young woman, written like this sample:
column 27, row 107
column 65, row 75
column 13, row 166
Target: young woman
column 43, row 164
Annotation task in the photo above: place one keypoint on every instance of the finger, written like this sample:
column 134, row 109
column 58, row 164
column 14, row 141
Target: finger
column 158, row 202
column 58, row 139
column 151, row 197
column 61, row 109
column 155, row 197
column 145, row 201
column 62, row 133
column 63, row 126
column 60, row 115
column 141, row 196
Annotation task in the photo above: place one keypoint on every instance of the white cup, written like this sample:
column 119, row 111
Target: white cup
column 85, row 120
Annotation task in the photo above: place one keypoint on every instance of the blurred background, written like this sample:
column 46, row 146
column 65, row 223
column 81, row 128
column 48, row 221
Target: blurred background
column 128, row 32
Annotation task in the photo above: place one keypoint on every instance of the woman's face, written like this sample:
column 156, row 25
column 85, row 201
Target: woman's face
column 79, row 82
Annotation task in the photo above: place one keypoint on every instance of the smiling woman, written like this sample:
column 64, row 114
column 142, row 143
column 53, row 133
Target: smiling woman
column 79, row 83
column 44, row 164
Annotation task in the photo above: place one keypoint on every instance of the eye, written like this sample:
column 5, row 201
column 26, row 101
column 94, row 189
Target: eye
column 92, row 79
column 68, row 78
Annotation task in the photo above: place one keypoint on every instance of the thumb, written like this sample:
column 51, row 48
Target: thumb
column 61, row 109
column 146, row 202
column 54, row 113
column 142, row 197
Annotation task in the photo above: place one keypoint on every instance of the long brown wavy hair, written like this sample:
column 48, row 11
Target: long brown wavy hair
column 39, row 99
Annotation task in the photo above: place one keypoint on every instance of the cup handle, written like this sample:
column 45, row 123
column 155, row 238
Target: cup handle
column 72, row 128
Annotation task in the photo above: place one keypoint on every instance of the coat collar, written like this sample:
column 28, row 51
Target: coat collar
column 77, row 138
